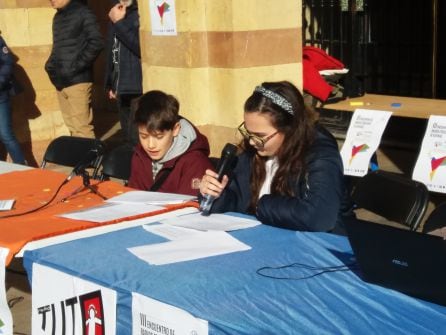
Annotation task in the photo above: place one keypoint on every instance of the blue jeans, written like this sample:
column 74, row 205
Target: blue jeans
column 7, row 134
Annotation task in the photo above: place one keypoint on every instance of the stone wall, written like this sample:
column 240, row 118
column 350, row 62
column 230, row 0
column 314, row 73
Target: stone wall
column 26, row 27
column 222, row 51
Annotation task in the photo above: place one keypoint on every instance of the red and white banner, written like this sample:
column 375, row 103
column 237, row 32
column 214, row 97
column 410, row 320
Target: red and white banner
column 63, row 304
column 5, row 313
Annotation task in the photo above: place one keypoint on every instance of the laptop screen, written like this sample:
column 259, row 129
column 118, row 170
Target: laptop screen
column 403, row 260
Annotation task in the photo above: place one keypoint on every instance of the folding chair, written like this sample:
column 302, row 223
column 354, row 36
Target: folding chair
column 117, row 163
column 436, row 219
column 392, row 196
column 70, row 150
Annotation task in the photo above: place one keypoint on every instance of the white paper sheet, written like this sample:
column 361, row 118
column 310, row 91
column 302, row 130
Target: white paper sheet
column 220, row 222
column 430, row 167
column 6, row 205
column 170, row 232
column 108, row 212
column 195, row 247
column 152, row 198
column 363, row 138
column 147, row 311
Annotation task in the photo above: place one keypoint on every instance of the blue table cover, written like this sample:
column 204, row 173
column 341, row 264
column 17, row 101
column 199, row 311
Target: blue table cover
column 227, row 291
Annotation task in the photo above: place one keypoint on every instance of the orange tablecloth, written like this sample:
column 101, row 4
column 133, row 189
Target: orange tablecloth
column 32, row 188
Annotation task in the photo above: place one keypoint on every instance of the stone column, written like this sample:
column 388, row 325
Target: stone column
column 223, row 49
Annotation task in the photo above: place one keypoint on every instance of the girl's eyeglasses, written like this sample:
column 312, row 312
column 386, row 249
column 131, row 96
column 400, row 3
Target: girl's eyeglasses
column 258, row 141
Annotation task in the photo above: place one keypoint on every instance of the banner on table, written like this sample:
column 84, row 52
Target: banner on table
column 63, row 304
column 152, row 317
column 430, row 167
column 363, row 138
column 163, row 17
column 5, row 313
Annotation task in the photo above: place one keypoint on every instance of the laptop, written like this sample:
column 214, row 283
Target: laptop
column 403, row 260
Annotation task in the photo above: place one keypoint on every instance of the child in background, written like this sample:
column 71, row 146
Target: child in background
column 172, row 155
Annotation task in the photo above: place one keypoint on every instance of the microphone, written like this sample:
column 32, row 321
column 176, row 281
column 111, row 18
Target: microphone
column 225, row 165
column 86, row 161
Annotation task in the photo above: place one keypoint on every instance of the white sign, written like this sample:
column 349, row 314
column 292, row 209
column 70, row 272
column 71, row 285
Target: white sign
column 363, row 138
column 430, row 168
column 63, row 304
column 5, row 313
column 152, row 317
column 163, row 17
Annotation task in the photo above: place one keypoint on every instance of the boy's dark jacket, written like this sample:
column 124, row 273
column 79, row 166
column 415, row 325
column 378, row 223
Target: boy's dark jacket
column 77, row 42
column 186, row 169
column 130, row 73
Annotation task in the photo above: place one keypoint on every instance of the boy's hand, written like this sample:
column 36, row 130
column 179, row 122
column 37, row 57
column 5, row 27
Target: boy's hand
column 117, row 12
column 111, row 95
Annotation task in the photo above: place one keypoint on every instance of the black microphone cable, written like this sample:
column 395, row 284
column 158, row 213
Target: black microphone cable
column 39, row 207
column 316, row 270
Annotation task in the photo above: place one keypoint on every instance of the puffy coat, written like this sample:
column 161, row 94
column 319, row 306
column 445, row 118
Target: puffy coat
column 77, row 42
column 129, row 74
column 6, row 67
column 321, row 200
column 186, row 170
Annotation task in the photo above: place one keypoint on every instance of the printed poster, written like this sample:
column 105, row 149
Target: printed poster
column 5, row 312
column 163, row 17
column 64, row 304
column 152, row 317
column 430, row 168
column 362, row 140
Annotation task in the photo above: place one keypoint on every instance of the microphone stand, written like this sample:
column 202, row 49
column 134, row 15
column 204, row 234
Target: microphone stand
column 85, row 185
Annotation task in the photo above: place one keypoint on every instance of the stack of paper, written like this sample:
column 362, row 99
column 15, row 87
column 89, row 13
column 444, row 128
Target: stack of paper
column 204, row 244
column 220, row 222
column 152, row 198
column 111, row 211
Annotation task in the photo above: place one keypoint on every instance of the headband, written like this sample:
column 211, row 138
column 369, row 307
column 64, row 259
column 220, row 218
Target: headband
column 277, row 99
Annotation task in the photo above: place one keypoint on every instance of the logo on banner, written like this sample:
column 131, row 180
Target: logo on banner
column 92, row 313
column 67, row 311
column 357, row 149
column 435, row 164
column 162, row 9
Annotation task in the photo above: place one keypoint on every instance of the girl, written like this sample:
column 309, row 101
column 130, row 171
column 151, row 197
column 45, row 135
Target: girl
column 289, row 173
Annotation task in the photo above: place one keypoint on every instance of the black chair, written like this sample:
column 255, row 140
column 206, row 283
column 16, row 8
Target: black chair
column 436, row 219
column 71, row 150
column 392, row 196
column 117, row 163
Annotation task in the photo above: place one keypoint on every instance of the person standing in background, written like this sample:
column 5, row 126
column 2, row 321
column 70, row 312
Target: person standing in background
column 6, row 131
column 123, row 80
column 77, row 42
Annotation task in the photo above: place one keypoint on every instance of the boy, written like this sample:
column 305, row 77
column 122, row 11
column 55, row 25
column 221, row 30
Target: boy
column 172, row 155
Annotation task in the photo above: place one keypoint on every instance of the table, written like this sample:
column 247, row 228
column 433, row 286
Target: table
column 420, row 108
column 9, row 167
column 34, row 187
column 227, row 291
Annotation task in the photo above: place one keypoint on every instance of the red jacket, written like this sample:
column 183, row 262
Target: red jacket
column 186, row 169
